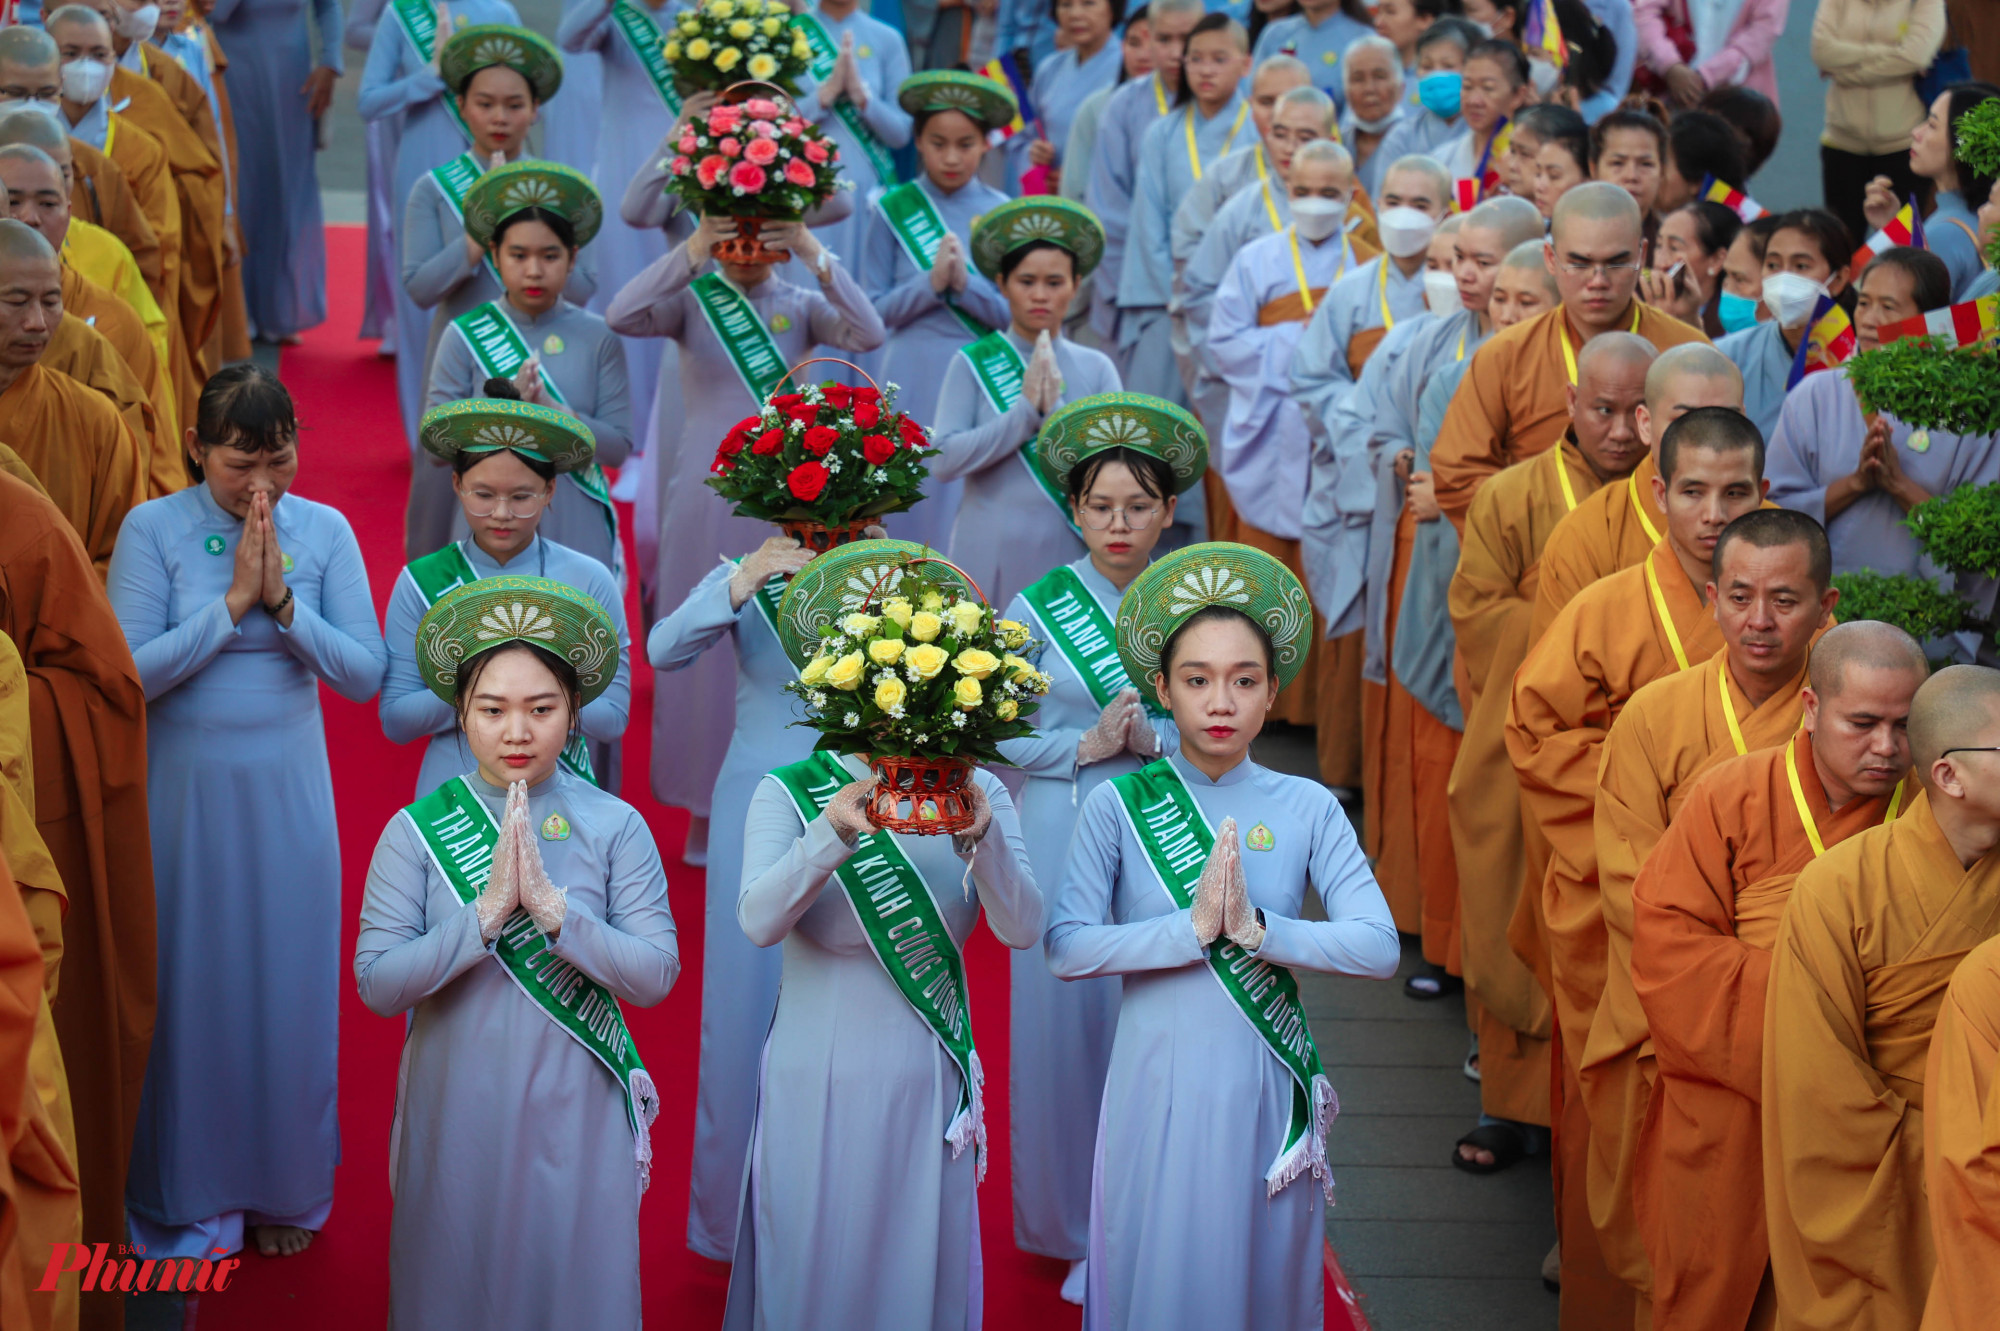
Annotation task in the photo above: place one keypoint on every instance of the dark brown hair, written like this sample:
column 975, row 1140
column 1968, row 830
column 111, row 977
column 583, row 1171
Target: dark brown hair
column 243, row 406
column 474, row 670
column 1211, row 613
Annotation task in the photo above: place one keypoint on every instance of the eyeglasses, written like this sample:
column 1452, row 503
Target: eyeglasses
column 520, row 504
column 1604, row 270
column 1099, row 517
column 1968, row 748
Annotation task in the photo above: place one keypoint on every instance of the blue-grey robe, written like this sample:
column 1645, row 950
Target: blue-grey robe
column 239, row 1114
column 1417, row 133
column 1114, row 180
column 1951, row 232
column 855, row 1093
column 1368, row 173
column 511, row 1159
column 1182, row 1232
column 1421, row 656
column 284, row 239
column 410, row 711
column 571, row 120
column 1766, row 362
column 1059, row 87
column 883, row 58
column 1059, row 1034
column 378, row 310
column 1321, row 48
column 1245, row 216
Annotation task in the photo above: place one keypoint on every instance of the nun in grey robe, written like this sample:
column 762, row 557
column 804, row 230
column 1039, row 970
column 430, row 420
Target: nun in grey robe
column 378, row 310
column 739, row 981
column 410, row 711
column 1061, row 84
column 237, row 1124
column 1245, row 217
column 1059, row 1034
column 440, row 277
column 1759, row 351
column 571, row 122
column 855, row 1093
column 511, row 1158
column 694, row 526
column 1425, row 642
column 1007, row 530
column 1114, row 170
column 924, row 335
column 270, row 54
column 396, row 82
column 883, row 58
column 582, row 355
column 1174, row 1244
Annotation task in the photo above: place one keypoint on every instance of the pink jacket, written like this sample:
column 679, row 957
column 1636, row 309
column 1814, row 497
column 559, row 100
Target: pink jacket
column 1751, row 37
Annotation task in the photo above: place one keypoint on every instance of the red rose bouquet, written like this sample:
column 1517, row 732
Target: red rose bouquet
column 755, row 158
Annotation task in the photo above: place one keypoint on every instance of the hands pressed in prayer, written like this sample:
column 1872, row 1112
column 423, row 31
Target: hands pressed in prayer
column 1421, row 496
column 1879, row 452
column 1211, row 890
column 528, row 383
column 246, row 587
column 1879, row 203
column 1042, row 384
column 1239, row 917
column 778, row 556
column 545, row 903
column 1110, row 735
column 1140, row 737
column 849, row 74
column 272, row 591
column 502, row 893
column 847, row 811
column 948, row 267
column 445, row 27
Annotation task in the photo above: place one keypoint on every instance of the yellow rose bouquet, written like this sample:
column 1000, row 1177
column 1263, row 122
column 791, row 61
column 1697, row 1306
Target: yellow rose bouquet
column 727, row 41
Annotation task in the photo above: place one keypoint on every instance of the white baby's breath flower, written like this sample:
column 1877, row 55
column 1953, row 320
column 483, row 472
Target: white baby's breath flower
column 958, row 719
column 852, row 719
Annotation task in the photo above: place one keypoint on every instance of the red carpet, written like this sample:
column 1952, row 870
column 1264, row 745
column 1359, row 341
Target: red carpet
column 354, row 458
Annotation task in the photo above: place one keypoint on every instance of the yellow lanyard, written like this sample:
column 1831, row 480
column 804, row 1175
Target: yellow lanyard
column 1569, row 356
column 1388, row 319
column 1667, row 620
column 1159, row 95
column 1461, row 356
column 1299, row 268
column 1270, row 204
column 1632, row 485
column 1562, row 475
column 1729, row 709
column 1194, row 150
column 1805, row 810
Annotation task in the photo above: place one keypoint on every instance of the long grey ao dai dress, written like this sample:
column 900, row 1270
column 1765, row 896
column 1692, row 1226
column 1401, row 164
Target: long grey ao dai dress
column 511, row 1160
column 1182, row 1231
column 857, row 1213
column 237, row 1123
column 1059, row 1036
column 739, row 980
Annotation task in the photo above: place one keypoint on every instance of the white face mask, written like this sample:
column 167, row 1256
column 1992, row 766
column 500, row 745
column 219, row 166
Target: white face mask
column 1790, row 297
column 49, row 109
column 1441, row 292
column 1405, row 231
column 1377, row 126
column 84, row 81
column 138, row 24
column 1544, row 75
column 1318, row 217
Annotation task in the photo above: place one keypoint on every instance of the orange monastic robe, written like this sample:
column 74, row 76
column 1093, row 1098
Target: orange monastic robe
column 1492, row 595
column 143, row 159
column 102, row 258
column 1514, row 402
column 100, row 194
column 1868, row 942
column 1962, row 1147
column 88, row 459
column 122, row 327
column 1613, row 529
column 1705, row 913
column 87, row 356
column 1671, row 732
column 20, row 1000
column 234, row 327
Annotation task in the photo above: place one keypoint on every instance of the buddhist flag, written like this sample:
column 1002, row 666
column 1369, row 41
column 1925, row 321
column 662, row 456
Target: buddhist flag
column 1828, row 342
column 1970, row 324
column 1465, row 194
column 1735, row 200
column 1905, row 228
column 1006, row 71
column 1543, row 33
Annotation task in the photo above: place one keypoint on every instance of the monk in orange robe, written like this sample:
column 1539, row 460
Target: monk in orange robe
column 1962, row 1146
column 1772, row 595
column 88, row 459
column 20, row 999
column 1705, row 911
column 1514, row 402
column 1620, row 525
column 1490, row 599
column 1621, row 634
column 1873, row 931
column 232, row 340
column 88, row 722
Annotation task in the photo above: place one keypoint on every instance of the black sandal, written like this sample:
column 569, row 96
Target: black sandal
column 1503, row 1140
column 1430, row 983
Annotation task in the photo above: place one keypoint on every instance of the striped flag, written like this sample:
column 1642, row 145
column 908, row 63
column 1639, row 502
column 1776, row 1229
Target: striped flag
column 1465, row 194
column 1541, row 32
column 1966, row 325
column 1828, row 342
column 1005, row 70
column 1905, row 228
column 1735, row 200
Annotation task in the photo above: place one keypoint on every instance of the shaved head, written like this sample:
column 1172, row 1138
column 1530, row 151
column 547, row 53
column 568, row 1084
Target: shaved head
column 33, row 128
column 1528, row 254
column 30, row 295
column 1690, row 370
column 1627, row 350
column 1514, row 221
column 30, row 48
column 1770, row 528
column 1713, row 430
column 1868, row 644
column 1863, row 680
column 1597, row 201
column 22, row 244
column 36, row 192
column 1957, row 707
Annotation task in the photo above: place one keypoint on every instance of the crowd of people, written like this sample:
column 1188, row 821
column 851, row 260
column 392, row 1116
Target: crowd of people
column 1419, row 374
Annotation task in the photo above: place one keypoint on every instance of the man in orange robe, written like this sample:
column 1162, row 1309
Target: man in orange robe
column 1705, row 912
column 1491, row 595
column 1619, row 526
column 1962, row 1146
column 88, row 722
column 1771, row 594
column 231, row 340
column 1621, row 634
column 1868, row 942
column 20, row 998
column 1514, row 402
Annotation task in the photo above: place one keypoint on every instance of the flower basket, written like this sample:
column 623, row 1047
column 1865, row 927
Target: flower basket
column 819, row 538
column 926, row 796
column 827, row 456
column 754, row 159
column 718, row 43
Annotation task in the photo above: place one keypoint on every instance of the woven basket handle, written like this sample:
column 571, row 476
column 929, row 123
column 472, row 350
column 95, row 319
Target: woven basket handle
column 825, row 360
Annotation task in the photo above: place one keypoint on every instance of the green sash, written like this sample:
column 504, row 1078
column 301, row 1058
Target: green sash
column 461, row 836
column 893, row 904
column 419, row 22
column 501, row 352
column 1000, row 371
column 643, row 36
column 454, row 178
column 1083, row 633
column 440, row 571
column 752, row 349
column 825, row 52
column 1177, row 840
column 918, row 228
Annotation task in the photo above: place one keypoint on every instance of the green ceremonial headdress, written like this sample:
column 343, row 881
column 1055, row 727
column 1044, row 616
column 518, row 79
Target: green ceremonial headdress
column 1033, row 217
column 493, row 612
column 988, row 104
column 1218, row 573
column 1142, row 423
column 838, row 582
column 489, row 424
column 506, row 190
column 473, row 48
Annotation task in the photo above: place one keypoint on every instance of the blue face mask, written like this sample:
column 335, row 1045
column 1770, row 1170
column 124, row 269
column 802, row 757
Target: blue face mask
column 1736, row 312
column 1438, row 91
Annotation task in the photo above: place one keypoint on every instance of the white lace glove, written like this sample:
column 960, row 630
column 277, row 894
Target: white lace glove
column 445, row 28
column 1239, row 917
column 1140, row 737
column 545, row 903
column 1211, row 890
column 501, row 895
column 778, row 556
column 847, row 811
column 1107, row 738
column 982, row 819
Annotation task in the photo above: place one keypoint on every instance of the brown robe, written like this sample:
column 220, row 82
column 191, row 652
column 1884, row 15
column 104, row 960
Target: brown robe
column 22, row 1254
column 1962, row 1147
column 89, row 461
column 102, row 258
column 100, row 194
column 234, row 327
column 1613, row 529
column 126, row 332
column 84, row 354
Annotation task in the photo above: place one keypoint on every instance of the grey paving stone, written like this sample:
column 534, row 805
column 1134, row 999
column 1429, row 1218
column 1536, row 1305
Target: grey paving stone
column 1431, row 1090
column 1378, row 1043
column 1441, row 1193
column 1402, row 1141
column 1420, row 1304
column 1474, row 1250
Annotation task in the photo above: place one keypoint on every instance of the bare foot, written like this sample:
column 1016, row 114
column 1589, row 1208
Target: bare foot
column 1475, row 1155
column 281, row 1240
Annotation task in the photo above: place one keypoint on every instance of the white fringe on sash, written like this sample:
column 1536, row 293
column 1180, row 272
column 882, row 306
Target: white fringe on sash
column 968, row 1128
column 646, row 1100
column 1309, row 1151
